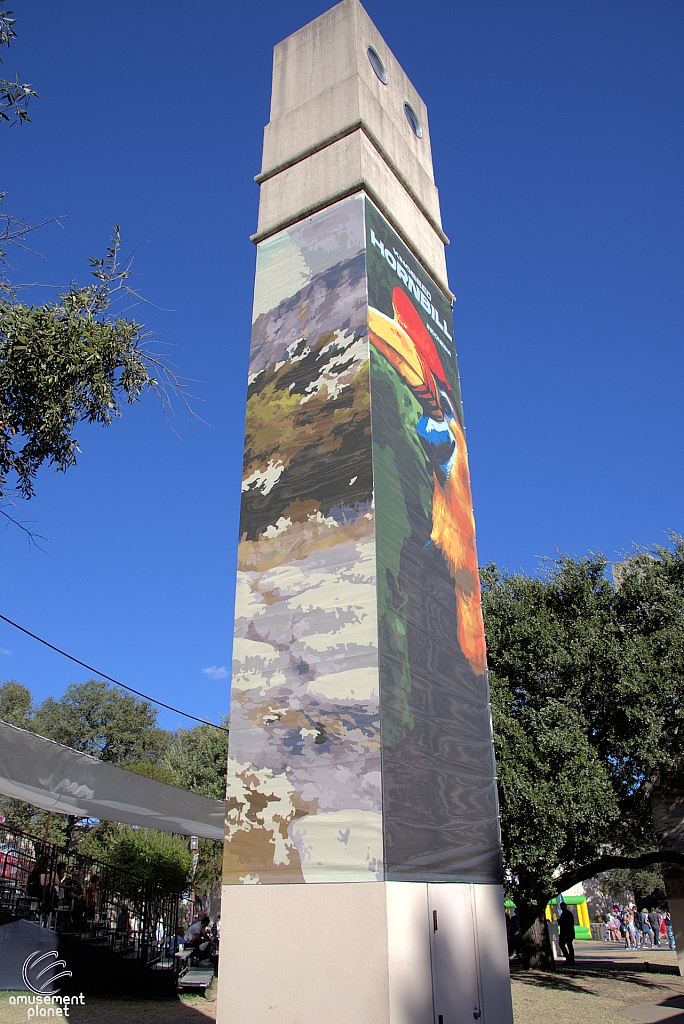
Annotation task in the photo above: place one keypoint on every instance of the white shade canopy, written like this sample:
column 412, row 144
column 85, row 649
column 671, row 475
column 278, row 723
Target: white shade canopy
column 58, row 778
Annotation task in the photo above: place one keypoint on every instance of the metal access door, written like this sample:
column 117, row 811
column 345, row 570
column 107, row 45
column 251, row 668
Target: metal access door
column 456, row 989
column 470, row 972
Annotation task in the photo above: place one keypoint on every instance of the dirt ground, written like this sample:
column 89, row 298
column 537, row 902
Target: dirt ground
column 187, row 1010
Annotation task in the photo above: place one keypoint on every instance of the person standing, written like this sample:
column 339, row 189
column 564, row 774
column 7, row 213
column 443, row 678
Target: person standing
column 57, row 891
column 654, row 921
column 37, row 881
column 669, row 930
column 566, row 933
column 91, row 899
column 624, row 931
column 124, row 926
column 663, row 926
column 620, row 914
column 631, row 940
column 616, row 923
column 73, row 891
column 513, row 934
column 645, row 928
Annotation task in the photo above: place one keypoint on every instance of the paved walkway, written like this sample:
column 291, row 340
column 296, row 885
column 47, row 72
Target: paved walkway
column 614, row 955
column 670, row 1010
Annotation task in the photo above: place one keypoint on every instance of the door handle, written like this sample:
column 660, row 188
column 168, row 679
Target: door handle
column 434, row 920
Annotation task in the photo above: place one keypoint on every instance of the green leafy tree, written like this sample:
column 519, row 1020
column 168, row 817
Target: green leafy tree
column 194, row 759
column 206, row 881
column 71, row 361
column 197, row 759
column 152, row 770
column 159, row 857
column 14, row 97
column 16, row 708
column 16, row 704
column 587, row 683
column 68, row 361
column 634, row 886
column 93, row 717
column 105, row 721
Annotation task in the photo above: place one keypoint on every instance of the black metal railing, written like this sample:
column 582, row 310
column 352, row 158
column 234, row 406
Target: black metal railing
column 73, row 894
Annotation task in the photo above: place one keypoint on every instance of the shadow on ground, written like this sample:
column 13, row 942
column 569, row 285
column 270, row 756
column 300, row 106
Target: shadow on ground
column 578, row 979
column 193, row 1010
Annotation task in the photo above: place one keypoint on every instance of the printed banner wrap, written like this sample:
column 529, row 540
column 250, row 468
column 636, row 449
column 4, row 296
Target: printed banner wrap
column 360, row 746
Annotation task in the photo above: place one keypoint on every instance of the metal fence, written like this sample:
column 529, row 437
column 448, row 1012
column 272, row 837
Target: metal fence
column 73, row 894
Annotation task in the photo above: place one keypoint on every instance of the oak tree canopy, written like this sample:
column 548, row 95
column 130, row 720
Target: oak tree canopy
column 587, row 691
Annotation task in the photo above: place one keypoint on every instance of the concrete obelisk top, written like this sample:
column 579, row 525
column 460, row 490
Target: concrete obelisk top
column 336, row 128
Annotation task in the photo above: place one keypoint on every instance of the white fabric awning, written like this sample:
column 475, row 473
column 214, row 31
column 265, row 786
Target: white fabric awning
column 58, row 778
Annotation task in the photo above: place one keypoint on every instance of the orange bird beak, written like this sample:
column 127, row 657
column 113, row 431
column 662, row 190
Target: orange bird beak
column 406, row 344
column 393, row 342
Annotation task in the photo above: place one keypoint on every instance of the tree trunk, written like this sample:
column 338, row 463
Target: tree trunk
column 537, row 953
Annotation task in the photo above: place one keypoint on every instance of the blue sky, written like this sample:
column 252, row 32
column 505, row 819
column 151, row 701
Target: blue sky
column 557, row 143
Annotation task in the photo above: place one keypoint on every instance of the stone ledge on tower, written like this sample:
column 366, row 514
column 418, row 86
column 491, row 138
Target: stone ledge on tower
column 336, row 128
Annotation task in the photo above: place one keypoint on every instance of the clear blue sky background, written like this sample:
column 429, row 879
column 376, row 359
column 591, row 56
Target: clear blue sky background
column 557, row 142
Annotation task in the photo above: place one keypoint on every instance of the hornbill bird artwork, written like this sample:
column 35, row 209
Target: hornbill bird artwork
column 405, row 343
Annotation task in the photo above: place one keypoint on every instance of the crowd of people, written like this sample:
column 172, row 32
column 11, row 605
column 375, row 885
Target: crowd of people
column 70, row 899
column 62, row 894
column 72, row 895
column 202, row 938
column 638, row 929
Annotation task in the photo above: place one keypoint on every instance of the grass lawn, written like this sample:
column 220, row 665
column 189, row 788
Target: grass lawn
column 580, row 995
column 190, row 1009
column 587, row 994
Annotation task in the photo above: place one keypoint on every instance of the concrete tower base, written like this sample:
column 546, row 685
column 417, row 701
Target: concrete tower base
column 360, row 953
column 676, row 905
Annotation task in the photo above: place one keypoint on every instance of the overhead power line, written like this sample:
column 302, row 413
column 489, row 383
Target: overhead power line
column 103, row 675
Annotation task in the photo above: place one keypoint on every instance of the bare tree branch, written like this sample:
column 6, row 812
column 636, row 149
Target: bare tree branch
column 13, row 231
column 31, row 535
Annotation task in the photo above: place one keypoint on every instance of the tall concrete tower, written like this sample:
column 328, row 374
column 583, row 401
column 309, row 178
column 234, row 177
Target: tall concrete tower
column 362, row 872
